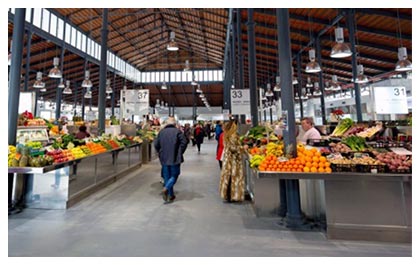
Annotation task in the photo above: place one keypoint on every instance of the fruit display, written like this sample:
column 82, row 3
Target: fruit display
column 355, row 129
column 61, row 156
column 146, row 134
column 113, row 144
column 307, row 160
column 11, row 155
column 256, row 160
column 274, row 149
column 77, row 152
column 395, row 162
column 339, row 148
column 95, row 148
column 371, row 131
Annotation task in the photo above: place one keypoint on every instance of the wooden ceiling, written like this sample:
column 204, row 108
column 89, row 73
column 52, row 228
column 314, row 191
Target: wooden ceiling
column 139, row 36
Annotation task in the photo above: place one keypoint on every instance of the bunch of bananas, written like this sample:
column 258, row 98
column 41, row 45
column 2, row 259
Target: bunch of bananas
column 11, row 156
column 256, row 160
column 275, row 149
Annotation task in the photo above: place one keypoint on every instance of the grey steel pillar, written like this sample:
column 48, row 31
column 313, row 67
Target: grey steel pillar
column 59, row 91
column 113, row 95
column 102, row 73
column 83, row 102
column 28, row 55
column 321, row 81
column 15, row 71
column 351, row 27
column 252, row 68
column 226, row 85
column 299, row 72
column 294, row 217
column 75, row 100
column 240, row 56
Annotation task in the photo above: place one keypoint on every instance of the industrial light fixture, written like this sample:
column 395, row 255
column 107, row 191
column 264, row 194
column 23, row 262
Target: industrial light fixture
column 294, row 81
column 340, row 49
column 361, row 77
column 277, row 87
column 87, row 82
column 108, row 96
column 309, row 83
column 61, row 85
column 269, row 93
column 38, row 83
column 317, row 91
column 308, row 93
column 67, row 89
column 88, row 93
column 108, row 88
column 187, row 66
column 198, row 90
column 403, row 63
column 312, row 66
column 304, row 96
column 55, row 72
column 172, row 45
column 157, row 105
column 335, row 86
column 297, row 96
column 194, row 82
column 201, row 96
column 164, row 86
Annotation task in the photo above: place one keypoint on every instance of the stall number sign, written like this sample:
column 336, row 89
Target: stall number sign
column 391, row 100
column 240, row 103
column 136, row 101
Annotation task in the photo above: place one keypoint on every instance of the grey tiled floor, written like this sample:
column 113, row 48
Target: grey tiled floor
column 129, row 218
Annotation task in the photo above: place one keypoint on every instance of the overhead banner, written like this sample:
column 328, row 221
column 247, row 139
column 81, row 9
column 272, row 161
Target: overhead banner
column 135, row 101
column 240, row 103
column 391, row 100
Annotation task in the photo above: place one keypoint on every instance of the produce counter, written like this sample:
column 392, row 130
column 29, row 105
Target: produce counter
column 60, row 186
column 358, row 206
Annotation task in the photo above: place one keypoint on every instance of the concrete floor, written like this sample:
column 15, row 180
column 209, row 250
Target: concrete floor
column 129, row 219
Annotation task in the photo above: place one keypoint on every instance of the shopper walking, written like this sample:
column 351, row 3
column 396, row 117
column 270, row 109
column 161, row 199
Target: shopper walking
column 218, row 130
column 199, row 136
column 187, row 132
column 232, row 179
column 170, row 145
column 220, row 146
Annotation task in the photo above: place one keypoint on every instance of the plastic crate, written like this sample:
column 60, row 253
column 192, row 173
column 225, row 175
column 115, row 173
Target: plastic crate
column 371, row 168
column 343, row 167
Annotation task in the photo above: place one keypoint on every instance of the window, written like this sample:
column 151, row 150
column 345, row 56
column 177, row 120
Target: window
column 143, row 77
column 99, row 52
column 53, row 26
column 60, row 28
column 83, row 43
column 206, row 75
column 89, row 47
column 153, row 75
column 45, row 20
column 68, row 33
column 178, row 77
column 172, row 77
column 79, row 40
column 148, row 77
column 73, row 37
column 184, row 76
column 37, row 17
column 28, row 15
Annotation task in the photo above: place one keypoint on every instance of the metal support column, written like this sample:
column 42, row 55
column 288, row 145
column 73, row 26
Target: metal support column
column 351, row 27
column 28, row 55
column 113, row 91
column 15, row 71
column 59, row 91
column 102, row 73
column 299, row 72
column 321, row 80
column 294, row 217
column 83, row 102
column 226, row 85
column 252, row 68
column 240, row 56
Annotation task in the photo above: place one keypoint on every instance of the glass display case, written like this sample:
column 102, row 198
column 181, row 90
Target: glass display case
column 32, row 133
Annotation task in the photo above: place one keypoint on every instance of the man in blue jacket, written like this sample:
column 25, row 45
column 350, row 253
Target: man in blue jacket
column 170, row 144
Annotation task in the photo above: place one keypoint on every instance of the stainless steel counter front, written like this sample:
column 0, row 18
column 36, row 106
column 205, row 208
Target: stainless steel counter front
column 357, row 206
column 60, row 186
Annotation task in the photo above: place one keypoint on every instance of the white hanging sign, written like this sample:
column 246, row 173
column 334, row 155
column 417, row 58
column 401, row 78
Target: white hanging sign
column 240, row 103
column 391, row 100
column 136, row 102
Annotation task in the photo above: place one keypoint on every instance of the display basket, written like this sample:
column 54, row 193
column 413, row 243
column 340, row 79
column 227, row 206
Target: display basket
column 343, row 167
column 370, row 168
column 36, row 151
column 399, row 171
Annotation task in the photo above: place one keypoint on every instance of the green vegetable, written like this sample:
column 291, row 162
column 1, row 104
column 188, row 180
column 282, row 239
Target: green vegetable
column 356, row 143
column 342, row 127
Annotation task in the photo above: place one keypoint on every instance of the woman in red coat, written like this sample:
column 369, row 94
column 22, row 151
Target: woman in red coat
column 220, row 146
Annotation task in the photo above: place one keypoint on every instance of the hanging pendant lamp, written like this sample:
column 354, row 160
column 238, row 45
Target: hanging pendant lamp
column 340, row 49
column 312, row 66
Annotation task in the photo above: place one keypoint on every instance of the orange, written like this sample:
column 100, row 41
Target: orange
column 314, row 170
column 327, row 164
column 315, row 164
column 321, row 170
column 306, row 169
column 321, row 164
column 323, row 159
column 328, row 170
column 315, row 159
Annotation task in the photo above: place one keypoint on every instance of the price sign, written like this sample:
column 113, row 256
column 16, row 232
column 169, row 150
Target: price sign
column 391, row 100
column 136, row 102
column 240, row 103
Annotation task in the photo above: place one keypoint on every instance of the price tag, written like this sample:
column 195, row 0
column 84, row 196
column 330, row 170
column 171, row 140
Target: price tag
column 391, row 100
column 240, row 103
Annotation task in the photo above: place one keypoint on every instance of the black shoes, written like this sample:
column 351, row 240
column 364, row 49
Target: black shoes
column 165, row 194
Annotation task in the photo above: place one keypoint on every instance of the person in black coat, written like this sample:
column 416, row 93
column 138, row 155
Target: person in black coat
column 199, row 135
column 170, row 145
